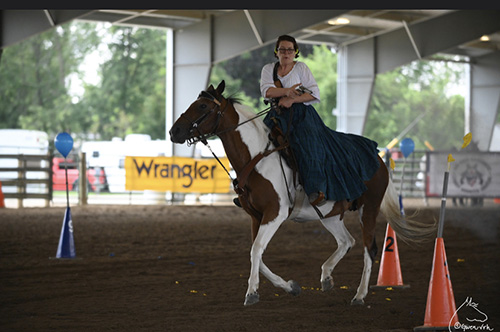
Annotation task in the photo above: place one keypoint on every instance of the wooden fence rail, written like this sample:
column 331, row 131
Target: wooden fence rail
column 26, row 176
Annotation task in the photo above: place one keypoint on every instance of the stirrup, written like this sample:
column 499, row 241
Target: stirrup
column 317, row 199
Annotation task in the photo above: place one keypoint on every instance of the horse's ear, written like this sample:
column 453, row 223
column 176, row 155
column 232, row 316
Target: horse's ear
column 210, row 88
column 220, row 87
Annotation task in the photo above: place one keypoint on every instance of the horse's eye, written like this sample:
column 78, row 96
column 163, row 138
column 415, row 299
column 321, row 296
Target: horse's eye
column 203, row 106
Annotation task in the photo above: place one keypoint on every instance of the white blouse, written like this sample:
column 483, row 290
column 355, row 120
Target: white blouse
column 300, row 73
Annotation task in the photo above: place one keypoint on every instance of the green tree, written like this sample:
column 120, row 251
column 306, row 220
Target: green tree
column 130, row 98
column 402, row 95
column 36, row 74
column 34, row 78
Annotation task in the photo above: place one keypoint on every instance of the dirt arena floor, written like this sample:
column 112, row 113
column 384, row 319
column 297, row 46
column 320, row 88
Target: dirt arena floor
column 185, row 268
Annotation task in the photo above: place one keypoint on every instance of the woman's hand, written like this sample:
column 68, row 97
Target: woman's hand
column 292, row 92
column 296, row 97
column 286, row 102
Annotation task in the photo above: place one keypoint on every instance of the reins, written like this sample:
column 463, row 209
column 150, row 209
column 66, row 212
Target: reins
column 203, row 137
column 240, row 182
column 257, row 115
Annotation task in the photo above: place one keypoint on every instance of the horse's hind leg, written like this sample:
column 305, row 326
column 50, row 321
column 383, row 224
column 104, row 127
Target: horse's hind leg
column 367, row 218
column 344, row 243
column 368, row 213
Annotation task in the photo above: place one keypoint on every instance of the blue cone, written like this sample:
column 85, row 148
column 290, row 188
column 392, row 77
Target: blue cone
column 66, row 248
column 401, row 208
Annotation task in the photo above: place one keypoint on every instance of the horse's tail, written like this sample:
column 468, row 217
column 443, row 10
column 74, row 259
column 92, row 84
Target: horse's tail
column 408, row 230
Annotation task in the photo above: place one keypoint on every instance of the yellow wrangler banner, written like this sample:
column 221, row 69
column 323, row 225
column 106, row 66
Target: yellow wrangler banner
column 176, row 174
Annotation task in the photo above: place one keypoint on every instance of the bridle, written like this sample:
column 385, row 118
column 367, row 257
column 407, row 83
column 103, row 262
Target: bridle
column 239, row 183
column 220, row 113
column 196, row 123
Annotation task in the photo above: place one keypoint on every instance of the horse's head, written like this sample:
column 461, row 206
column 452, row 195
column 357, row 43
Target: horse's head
column 202, row 117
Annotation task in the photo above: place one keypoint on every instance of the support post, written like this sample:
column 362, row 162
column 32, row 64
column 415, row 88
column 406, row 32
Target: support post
column 82, row 179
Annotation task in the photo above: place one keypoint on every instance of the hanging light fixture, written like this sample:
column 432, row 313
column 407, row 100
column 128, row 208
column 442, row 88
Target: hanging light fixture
column 339, row 21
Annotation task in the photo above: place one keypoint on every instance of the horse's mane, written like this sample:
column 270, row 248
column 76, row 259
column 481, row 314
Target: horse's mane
column 233, row 99
column 247, row 113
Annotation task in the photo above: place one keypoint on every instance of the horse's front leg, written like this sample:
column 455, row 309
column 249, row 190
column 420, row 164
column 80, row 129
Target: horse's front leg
column 291, row 287
column 263, row 237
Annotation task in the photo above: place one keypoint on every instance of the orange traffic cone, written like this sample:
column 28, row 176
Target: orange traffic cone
column 389, row 274
column 2, row 197
column 440, row 312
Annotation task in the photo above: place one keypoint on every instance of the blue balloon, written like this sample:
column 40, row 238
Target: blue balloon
column 407, row 145
column 63, row 143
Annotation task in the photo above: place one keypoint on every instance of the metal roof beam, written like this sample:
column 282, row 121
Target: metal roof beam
column 231, row 36
column 433, row 36
column 17, row 25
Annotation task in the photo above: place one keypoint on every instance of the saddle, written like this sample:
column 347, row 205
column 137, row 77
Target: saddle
column 282, row 146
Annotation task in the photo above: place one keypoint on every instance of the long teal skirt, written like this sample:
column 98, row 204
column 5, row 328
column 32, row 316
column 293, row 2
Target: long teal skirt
column 329, row 161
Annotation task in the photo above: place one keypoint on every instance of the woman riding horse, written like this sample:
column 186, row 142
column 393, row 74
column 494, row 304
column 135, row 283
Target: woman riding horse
column 331, row 165
column 265, row 186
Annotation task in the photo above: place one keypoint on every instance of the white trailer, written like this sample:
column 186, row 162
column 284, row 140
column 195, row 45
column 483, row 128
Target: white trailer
column 23, row 142
column 110, row 155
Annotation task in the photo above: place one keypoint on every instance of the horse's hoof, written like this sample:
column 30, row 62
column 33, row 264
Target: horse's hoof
column 327, row 284
column 356, row 301
column 251, row 299
column 295, row 288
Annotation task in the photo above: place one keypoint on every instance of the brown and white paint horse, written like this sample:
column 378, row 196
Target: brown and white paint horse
column 269, row 196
